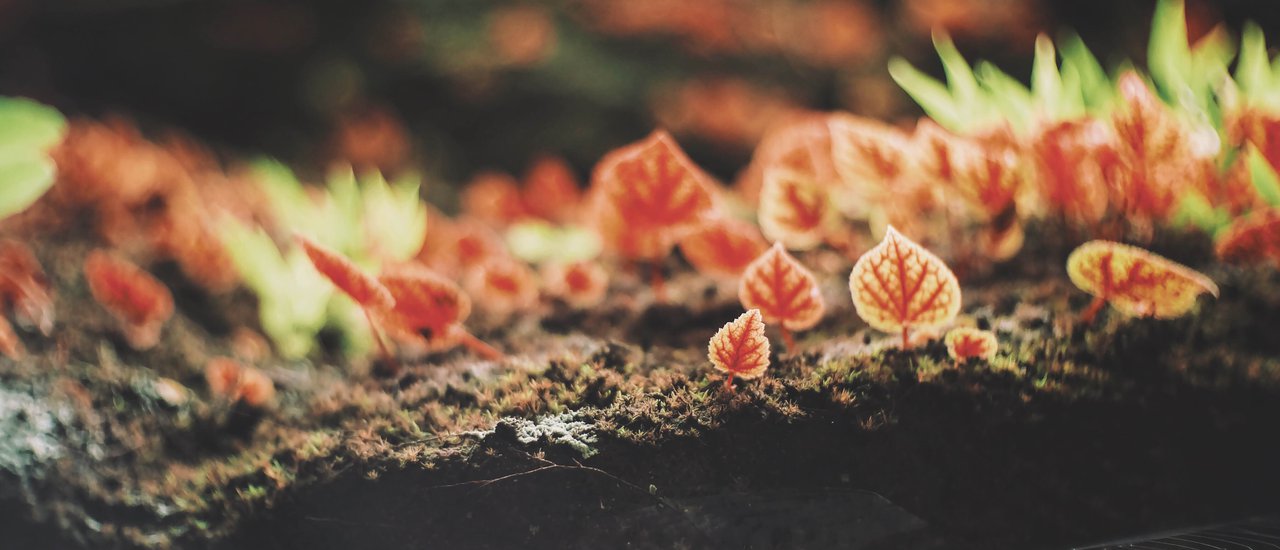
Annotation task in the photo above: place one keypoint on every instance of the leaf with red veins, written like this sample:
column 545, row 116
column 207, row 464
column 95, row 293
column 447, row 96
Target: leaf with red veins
column 621, row 240
column 801, row 144
column 503, row 286
column 551, row 190
column 1074, row 159
column 346, row 275
column 140, row 302
column 1252, row 238
column 653, row 186
column 964, row 343
column 579, row 284
column 10, row 345
column 723, row 247
column 740, row 348
column 898, row 286
column 795, row 210
column 871, row 159
column 988, row 173
column 425, row 300
column 494, row 198
column 24, row 286
column 1159, row 150
column 1137, row 282
column 784, row 291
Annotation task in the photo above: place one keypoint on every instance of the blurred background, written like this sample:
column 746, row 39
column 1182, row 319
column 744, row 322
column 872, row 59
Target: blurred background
column 456, row 86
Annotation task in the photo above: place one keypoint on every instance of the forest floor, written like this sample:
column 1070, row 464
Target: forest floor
column 609, row 427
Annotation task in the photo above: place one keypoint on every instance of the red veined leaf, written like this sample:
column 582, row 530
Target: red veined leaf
column 1135, row 281
column 801, row 144
column 740, row 348
column 898, row 285
column 424, row 299
column 871, row 159
column 1252, row 238
column 551, row 190
column 783, row 290
column 795, row 210
column 503, row 286
column 24, row 286
column 141, row 303
column 723, row 247
column 494, row 198
column 347, row 276
column 579, row 284
column 653, row 186
column 10, row 345
column 964, row 343
column 1077, row 159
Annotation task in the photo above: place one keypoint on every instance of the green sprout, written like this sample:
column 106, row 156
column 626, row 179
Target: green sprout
column 369, row 220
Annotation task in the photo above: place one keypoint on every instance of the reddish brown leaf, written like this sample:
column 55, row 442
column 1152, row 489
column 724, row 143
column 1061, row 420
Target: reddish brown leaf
column 964, row 343
column 425, row 300
column 898, row 285
column 10, row 345
column 579, row 284
column 801, row 145
column 551, row 190
column 1076, row 160
column 1252, row 238
column 1135, row 281
column 503, row 286
column 653, row 186
column 783, row 290
column 347, row 276
column 230, row 380
column 795, row 210
column 723, row 247
column 871, row 158
column 494, row 198
column 740, row 348
column 24, row 287
column 141, row 303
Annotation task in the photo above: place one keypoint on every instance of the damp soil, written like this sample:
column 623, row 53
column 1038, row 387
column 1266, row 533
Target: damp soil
column 606, row 428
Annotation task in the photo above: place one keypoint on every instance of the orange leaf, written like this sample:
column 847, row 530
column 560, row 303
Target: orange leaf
column 230, row 380
column 871, row 158
column 1135, row 281
column 795, row 210
column 801, row 144
column 784, row 291
column 551, row 190
column 579, row 284
column 1252, row 238
column 139, row 301
column 347, row 276
column 740, row 348
column 24, row 287
column 494, row 198
column 723, row 247
column 424, row 299
column 503, row 286
column 898, row 285
column 10, row 345
column 1075, row 160
column 654, row 187
column 964, row 343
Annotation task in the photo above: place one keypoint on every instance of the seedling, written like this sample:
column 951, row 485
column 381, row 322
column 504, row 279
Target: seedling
column 430, row 307
column 898, row 286
column 784, row 291
column 964, row 343
column 1136, row 282
column 579, row 284
column 740, row 348
column 723, row 248
column 139, row 302
column 361, row 287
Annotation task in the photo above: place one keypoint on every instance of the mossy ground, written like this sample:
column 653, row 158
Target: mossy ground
column 1072, row 434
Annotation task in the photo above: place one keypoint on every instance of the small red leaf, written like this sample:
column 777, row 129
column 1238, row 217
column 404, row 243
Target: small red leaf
column 740, row 348
column 579, row 284
column 964, row 343
column 425, row 300
column 347, row 276
column 653, row 186
column 723, row 247
column 503, row 286
column 795, row 210
column 1135, row 281
column 1252, row 238
column 898, row 285
column 783, row 290
column 139, row 301
column 551, row 190
column 230, row 380
column 494, row 198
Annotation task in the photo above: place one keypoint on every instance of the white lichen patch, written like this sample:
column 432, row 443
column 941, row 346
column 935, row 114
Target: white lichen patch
column 566, row 428
column 30, row 432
